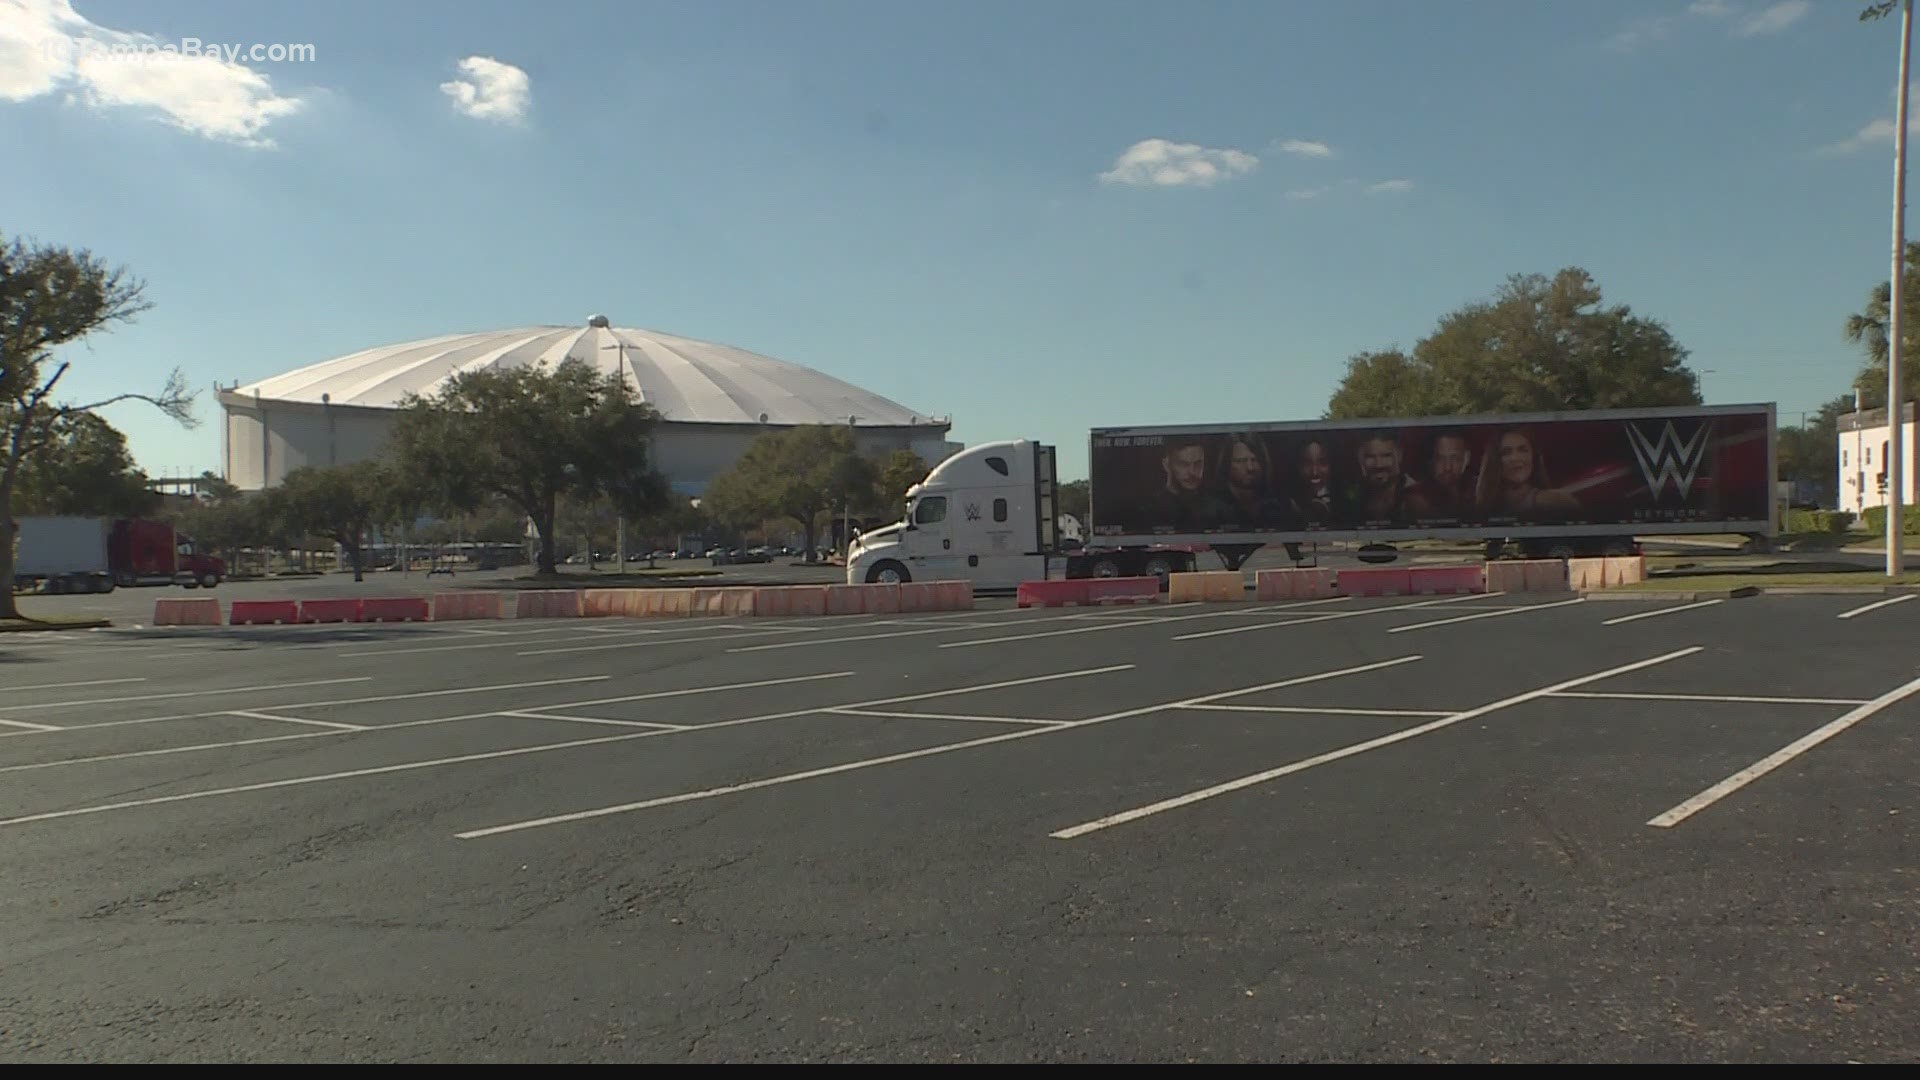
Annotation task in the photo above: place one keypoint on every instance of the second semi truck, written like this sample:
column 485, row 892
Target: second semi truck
column 1551, row 484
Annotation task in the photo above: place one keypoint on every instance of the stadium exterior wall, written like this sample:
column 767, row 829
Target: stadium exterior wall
column 264, row 439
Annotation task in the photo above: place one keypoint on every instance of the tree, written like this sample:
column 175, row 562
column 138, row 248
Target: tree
column 340, row 502
column 1808, row 453
column 531, row 435
column 799, row 473
column 1868, row 329
column 85, row 469
column 50, row 297
column 1539, row 345
column 901, row 470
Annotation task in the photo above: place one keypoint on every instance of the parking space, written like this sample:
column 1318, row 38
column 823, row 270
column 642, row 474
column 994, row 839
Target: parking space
column 1002, row 814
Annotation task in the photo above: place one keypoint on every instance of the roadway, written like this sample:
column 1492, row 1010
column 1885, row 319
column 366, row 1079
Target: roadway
column 1507, row 828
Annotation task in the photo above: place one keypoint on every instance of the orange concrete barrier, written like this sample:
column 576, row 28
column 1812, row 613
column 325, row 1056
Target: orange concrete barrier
column 1446, row 580
column 547, row 604
column 954, row 595
column 734, row 600
column 1626, row 569
column 807, row 599
column 1208, row 586
column 920, row 596
column 201, row 611
column 1587, row 573
column 1527, row 575
column 1295, row 583
column 1374, row 581
column 467, row 605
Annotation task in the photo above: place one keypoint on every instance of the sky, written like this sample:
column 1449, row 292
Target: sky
column 1035, row 218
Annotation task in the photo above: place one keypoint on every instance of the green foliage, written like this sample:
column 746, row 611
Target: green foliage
column 1809, row 454
column 1832, row 522
column 1869, row 329
column 531, row 436
column 1874, row 518
column 798, row 473
column 901, row 470
column 1075, row 498
column 341, row 502
column 1539, row 345
column 85, row 469
column 51, row 297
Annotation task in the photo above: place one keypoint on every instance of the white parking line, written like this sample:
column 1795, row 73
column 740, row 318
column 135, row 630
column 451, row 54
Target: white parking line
column 944, row 748
column 511, row 641
column 65, row 685
column 1731, row 699
column 948, row 716
column 1316, row 711
column 185, row 693
column 410, row 766
column 298, row 720
column 1329, row 618
column 416, row 723
column 1780, row 757
column 24, row 728
column 1123, row 622
column 597, row 720
column 339, row 701
column 1503, row 612
column 1659, row 612
column 662, row 641
column 1901, row 599
column 1356, row 748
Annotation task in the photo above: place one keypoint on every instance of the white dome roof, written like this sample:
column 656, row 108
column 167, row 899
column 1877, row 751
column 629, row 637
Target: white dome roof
column 686, row 380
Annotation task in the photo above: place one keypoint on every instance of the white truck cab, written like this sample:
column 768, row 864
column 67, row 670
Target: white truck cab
column 985, row 515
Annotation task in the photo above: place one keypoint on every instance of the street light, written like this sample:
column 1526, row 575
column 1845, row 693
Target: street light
column 1895, row 412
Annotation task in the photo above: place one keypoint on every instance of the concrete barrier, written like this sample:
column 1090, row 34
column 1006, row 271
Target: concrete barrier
column 395, row 609
column 1446, row 580
column 1374, row 582
column 1296, row 583
column 547, row 604
column 1206, row 586
column 1123, row 590
column 733, row 600
column 1586, row 573
column 920, row 596
column 1062, row 593
column 1527, row 575
column 259, row 612
column 1626, row 569
column 449, row 607
column 955, row 595
column 200, row 611
column 806, row 599
column 330, row 610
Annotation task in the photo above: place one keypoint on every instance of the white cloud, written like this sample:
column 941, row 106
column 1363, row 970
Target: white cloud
column 1879, row 131
column 1160, row 163
column 492, row 90
column 45, row 47
column 1710, row 8
column 1389, row 187
column 1775, row 18
column 1306, row 148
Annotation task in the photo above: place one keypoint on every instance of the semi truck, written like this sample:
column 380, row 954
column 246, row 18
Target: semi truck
column 1553, row 485
column 96, row 554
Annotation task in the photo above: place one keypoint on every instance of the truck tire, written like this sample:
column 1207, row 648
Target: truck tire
column 888, row 572
column 1104, row 568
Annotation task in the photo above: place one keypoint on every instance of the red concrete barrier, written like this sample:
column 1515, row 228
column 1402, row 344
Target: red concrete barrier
column 1296, row 583
column 1374, row 582
column 257, row 612
column 806, row 599
column 1444, row 580
column 196, row 612
column 919, row 596
column 323, row 611
column 1123, row 590
column 395, row 609
column 1053, row 593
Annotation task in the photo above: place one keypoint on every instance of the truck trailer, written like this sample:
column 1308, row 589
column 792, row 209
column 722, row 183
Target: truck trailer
column 1551, row 485
column 95, row 554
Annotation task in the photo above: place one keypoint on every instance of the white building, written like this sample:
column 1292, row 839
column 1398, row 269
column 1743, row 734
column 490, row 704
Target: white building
column 714, row 400
column 1865, row 442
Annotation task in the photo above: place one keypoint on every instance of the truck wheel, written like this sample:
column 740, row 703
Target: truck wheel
column 888, row 572
column 208, row 581
column 1159, row 567
column 1105, row 568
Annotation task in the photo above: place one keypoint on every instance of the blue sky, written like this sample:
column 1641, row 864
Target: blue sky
column 937, row 201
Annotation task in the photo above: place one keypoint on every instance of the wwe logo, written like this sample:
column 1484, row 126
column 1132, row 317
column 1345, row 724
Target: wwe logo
column 1668, row 458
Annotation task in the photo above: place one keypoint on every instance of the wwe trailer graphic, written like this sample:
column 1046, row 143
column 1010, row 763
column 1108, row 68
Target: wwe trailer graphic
column 1610, row 469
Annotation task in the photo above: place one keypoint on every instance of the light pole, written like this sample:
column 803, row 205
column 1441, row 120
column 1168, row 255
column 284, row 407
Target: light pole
column 1895, row 412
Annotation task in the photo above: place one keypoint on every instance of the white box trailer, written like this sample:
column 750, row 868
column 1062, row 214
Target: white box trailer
column 65, row 554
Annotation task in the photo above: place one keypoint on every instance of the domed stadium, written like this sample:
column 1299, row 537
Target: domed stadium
column 714, row 399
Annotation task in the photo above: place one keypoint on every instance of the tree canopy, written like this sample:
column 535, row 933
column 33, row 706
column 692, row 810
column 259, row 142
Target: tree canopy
column 51, row 297
column 1539, row 344
column 531, row 435
column 798, row 473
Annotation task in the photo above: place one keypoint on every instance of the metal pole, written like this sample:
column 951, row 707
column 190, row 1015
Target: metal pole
column 1895, row 412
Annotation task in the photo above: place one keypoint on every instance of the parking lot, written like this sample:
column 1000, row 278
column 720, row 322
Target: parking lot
column 1481, row 828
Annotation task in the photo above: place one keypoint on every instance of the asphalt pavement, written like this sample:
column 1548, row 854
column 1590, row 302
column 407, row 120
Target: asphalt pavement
column 1510, row 828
